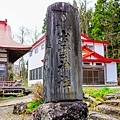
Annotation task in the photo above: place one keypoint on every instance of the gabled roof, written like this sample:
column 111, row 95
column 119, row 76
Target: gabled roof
column 90, row 53
column 94, row 57
column 15, row 49
column 97, row 57
column 42, row 39
column 85, row 38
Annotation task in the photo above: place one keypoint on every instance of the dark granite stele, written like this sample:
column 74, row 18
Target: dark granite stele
column 76, row 110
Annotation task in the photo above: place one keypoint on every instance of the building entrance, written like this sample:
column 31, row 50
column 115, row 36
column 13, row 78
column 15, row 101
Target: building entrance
column 93, row 76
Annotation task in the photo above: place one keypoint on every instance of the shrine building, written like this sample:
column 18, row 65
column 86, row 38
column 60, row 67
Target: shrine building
column 97, row 69
column 10, row 50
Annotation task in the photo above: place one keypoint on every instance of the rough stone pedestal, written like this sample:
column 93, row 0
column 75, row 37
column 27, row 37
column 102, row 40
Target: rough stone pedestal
column 62, row 111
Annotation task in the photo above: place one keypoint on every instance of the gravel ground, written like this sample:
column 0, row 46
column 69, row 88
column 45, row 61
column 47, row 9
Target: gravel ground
column 6, row 114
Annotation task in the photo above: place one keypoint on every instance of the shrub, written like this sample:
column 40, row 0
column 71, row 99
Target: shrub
column 32, row 106
column 104, row 91
column 37, row 98
column 99, row 93
column 20, row 95
column 89, row 90
column 38, row 92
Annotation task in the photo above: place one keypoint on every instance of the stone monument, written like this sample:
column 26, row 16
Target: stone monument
column 62, row 80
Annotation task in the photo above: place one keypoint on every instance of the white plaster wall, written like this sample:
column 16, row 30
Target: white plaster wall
column 35, row 61
column 91, row 57
column 31, row 82
column 99, row 48
column 111, row 72
column 87, row 43
column 83, row 38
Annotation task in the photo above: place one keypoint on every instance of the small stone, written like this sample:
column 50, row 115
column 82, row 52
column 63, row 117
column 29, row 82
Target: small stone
column 19, row 108
column 88, row 104
column 108, row 97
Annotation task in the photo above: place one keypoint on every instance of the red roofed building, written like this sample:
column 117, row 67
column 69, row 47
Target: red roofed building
column 10, row 50
column 97, row 69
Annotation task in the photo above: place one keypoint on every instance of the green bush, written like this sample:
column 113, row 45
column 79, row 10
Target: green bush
column 104, row 91
column 20, row 95
column 89, row 90
column 33, row 105
column 99, row 93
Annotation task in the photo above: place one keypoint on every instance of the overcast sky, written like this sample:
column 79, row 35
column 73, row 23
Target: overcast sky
column 29, row 13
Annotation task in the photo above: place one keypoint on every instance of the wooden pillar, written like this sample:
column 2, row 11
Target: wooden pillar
column 63, row 55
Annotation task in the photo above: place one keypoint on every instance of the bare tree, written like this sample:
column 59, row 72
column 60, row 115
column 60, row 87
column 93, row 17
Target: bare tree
column 85, row 14
column 22, row 38
column 26, row 36
column 33, row 34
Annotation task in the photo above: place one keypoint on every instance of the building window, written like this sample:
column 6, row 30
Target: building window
column 36, row 50
column 3, row 72
column 98, row 63
column 85, row 63
column 30, row 53
column 31, row 74
column 40, row 72
column 42, row 46
column 36, row 74
column 91, row 47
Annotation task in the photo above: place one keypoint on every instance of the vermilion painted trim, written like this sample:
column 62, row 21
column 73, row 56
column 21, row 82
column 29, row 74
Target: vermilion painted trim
column 99, row 57
column 83, row 35
column 4, row 22
column 93, row 52
column 42, row 39
column 96, row 41
column 115, row 60
column 87, row 55
column 42, row 60
column 93, row 41
column 96, row 60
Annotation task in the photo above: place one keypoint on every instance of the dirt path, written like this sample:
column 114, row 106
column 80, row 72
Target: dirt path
column 6, row 109
column 16, row 100
column 6, row 114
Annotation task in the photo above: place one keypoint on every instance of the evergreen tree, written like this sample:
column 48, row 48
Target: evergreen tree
column 98, row 21
column 106, row 25
column 44, row 26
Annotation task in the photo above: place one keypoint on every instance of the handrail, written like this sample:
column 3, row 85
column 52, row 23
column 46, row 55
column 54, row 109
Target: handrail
column 10, row 83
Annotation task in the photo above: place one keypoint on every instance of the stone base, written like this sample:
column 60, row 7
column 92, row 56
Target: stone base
column 62, row 111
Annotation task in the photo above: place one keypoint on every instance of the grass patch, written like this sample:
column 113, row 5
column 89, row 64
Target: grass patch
column 99, row 93
column 7, row 98
column 33, row 105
